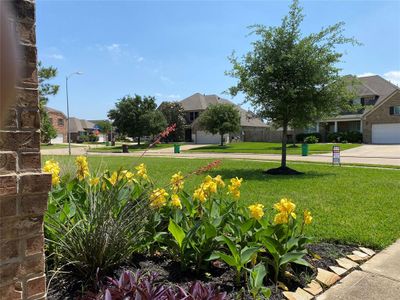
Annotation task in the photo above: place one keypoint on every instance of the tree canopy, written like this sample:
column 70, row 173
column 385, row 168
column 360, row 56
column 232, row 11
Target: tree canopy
column 46, row 88
column 136, row 116
column 220, row 119
column 174, row 114
column 293, row 79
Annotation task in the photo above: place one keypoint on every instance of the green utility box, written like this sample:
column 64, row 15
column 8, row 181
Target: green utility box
column 177, row 148
column 304, row 149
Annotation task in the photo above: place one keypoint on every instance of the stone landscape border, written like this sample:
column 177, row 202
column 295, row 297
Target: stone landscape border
column 325, row 279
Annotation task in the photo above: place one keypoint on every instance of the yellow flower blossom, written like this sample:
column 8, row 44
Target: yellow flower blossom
column 142, row 171
column 94, row 181
column 233, row 188
column 51, row 166
column 82, row 167
column 218, row 180
column 114, row 178
column 175, row 201
column 307, row 217
column 256, row 211
column 177, row 182
column 158, row 198
column 208, row 185
column 200, row 195
column 281, row 218
column 286, row 206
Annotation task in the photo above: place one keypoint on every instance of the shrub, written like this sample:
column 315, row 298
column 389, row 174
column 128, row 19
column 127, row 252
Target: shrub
column 311, row 139
column 92, row 222
column 132, row 286
column 301, row 136
column 347, row 136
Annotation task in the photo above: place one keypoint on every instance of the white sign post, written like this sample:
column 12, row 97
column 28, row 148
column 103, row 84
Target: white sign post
column 336, row 155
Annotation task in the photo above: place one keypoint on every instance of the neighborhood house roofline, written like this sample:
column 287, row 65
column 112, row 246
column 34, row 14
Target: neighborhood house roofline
column 381, row 103
column 52, row 110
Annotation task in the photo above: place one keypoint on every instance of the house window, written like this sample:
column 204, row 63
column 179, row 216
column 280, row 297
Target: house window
column 395, row 110
column 193, row 115
column 60, row 122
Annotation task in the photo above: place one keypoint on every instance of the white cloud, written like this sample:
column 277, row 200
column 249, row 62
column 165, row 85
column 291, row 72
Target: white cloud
column 393, row 77
column 115, row 48
column 140, row 59
column 366, row 74
column 56, row 56
column 162, row 96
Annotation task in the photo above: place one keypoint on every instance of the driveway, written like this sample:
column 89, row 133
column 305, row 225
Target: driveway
column 371, row 151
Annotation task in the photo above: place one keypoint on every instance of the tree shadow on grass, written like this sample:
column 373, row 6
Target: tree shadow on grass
column 258, row 175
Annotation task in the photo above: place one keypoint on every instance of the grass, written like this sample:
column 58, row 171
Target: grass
column 56, row 146
column 349, row 205
column 131, row 147
column 270, row 148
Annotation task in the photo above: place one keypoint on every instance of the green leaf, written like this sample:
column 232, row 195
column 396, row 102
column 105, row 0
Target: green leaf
column 301, row 261
column 245, row 227
column 176, row 231
column 226, row 258
column 257, row 275
column 210, row 230
column 290, row 257
column 247, row 253
column 231, row 247
column 266, row 292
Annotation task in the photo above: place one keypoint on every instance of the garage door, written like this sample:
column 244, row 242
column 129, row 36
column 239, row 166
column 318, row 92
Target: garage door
column 59, row 139
column 203, row 137
column 386, row 133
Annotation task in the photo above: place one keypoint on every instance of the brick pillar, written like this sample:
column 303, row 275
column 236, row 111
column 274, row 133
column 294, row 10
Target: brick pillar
column 23, row 188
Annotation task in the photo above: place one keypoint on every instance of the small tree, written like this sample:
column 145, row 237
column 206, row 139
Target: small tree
column 291, row 79
column 45, row 74
column 131, row 116
column 220, row 119
column 174, row 114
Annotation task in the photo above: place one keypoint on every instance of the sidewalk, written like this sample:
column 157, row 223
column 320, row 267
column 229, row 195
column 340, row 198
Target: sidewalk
column 379, row 278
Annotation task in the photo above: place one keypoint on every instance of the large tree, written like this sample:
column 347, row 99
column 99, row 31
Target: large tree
column 290, row 78
column 135, row 116
column 220, row 119
column 46, row 89
column 174, row 114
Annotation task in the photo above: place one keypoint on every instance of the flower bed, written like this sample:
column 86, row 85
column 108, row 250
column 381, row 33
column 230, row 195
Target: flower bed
column 98, row 222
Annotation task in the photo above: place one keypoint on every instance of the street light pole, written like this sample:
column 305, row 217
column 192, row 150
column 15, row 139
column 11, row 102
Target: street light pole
column 68, row 123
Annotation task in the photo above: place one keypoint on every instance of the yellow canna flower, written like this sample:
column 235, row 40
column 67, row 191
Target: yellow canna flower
column 51, row 166
column 200, row 195
column 94, row 181
column 114, row 178
column 158, row 198
column 175, row 201
column 177, row 182
column 82, row 167
column 142, row 171
column 285, row 205
column 256, row 211
column 233, row 188
column 281, row 218
column 307, row 217
column 218, row 180
column 236, row 182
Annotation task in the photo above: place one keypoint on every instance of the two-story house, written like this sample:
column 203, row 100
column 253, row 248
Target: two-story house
column 251, row 127
column 378, row 120
column 59, row 122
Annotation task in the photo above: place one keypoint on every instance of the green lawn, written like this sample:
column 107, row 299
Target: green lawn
column 132, row 147
column 270, row 148
column 349, row 204
column 56, row 146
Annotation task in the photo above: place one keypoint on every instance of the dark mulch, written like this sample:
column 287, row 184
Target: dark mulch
column 321, row 255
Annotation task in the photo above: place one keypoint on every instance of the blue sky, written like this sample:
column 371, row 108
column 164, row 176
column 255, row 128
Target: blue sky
column 172, row 49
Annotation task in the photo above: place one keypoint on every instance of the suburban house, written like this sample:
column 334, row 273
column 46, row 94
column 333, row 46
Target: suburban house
column 379, row 118
column 252, row 129
column 80, row 129
column 59, row 122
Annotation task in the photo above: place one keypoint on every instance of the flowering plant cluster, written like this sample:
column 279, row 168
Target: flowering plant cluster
column 95, row 222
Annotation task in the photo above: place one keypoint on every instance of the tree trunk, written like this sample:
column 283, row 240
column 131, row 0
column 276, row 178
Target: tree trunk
column 222, row 139
column 284, row 143
column 138, row 140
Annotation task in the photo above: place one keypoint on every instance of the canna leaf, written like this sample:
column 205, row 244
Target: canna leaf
column 177, row 232
column 247, row 253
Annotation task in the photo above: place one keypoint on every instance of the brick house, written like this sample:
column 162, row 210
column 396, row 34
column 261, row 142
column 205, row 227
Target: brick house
column 252, row 128
column 59, row 122
column 379, row 118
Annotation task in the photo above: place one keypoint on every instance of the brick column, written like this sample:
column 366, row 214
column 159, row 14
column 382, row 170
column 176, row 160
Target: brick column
column 23, row 188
